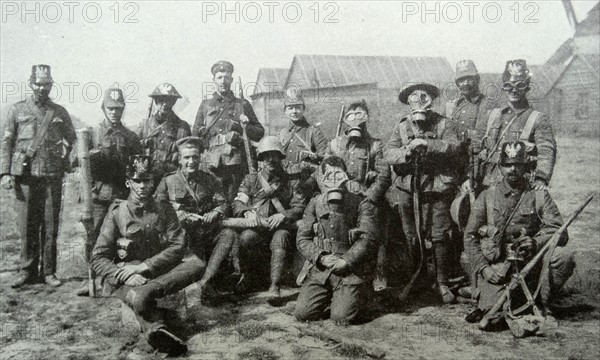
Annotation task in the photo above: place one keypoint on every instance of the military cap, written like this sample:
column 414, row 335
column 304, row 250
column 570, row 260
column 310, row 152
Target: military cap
column 514, row 152
column 516, row 70
column 189, row 142
column 40, row 74
column 408, row 89
column 139, row 167
column 165, row 89
column 269, row 143
column 113, row 97
column 465, row 68
column 293, row 96
column 221, row 66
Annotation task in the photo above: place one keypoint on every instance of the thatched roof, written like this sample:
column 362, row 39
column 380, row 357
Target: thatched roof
column 388, row 72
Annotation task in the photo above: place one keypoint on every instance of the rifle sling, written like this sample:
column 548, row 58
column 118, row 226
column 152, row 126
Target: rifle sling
column 270, row 191
column 39, row 136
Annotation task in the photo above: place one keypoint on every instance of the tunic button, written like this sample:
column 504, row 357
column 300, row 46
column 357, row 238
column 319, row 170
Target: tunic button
column 291, row 151
column 331, row 226
column 463, row 111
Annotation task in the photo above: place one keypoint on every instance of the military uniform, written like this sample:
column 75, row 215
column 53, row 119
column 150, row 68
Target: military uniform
column 437, row 182
column 158, row 135
column 37, row 175
column 326, row 230
column 137, row 232
column 299, row 139
column 507, row 123
column 537, row 214
column 268, row 193
column 203, row 239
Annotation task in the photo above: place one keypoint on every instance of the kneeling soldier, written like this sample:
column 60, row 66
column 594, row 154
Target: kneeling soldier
column 199, row 203
column 508, row 224
column 273, row 196
column 140, row 251
column 337, row 238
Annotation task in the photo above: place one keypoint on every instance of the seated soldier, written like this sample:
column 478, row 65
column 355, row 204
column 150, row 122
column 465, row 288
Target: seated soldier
column 508, row 224
column 199, row 202
column 140, row 250
column 272, row 202
column 336, row 236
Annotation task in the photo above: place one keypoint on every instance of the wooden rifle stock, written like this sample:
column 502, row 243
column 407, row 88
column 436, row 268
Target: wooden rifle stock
column 340, row 121
column 85, row 186
column 550, row 245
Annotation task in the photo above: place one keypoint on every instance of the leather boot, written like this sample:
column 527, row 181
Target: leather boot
column 26, row 277
column 164, row 341
column 277, row 267
column 52, row 280
column 141, row 298
column 441, row 265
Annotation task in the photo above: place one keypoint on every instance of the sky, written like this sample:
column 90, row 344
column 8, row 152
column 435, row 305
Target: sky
column 139, row 44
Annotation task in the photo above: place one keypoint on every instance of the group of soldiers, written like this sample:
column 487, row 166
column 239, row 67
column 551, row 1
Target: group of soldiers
column 174, row 205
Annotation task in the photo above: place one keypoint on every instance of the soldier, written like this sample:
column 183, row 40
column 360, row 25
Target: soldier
column 38, row 137
column 161, row 129
column 219, row 123
column 199, row 203
column 369, row 175
column 516, row 121
column 509, row 222
column 421, row 149
column 113, row 144
column 140, row 251
column 304, row 144
column 337, row 239
column 272, row 195
column 465, row 111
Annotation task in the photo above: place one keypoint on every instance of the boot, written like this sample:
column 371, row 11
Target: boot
column 277, row 267
column 25, row 278
column 52, row 280
column 141, row 298
column 441, row 260
column 164, row 341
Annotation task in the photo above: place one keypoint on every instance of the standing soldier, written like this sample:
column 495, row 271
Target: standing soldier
column 220, row 122
column 516, row 121
column 369, row 175
column 304, row 144
column 422, row 149
column 140, row 251
column 161, row 129
column 112, row 147
column 509, row 223
column 38, row 137
column 337, row 239
column 269, row 195
column 199, row 203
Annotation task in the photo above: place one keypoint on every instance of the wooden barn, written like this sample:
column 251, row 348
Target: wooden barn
column 328, row 81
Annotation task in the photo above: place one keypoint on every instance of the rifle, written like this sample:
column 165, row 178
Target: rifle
column 83, row 154
column 417, row 210
column 519, row 278
column 243, row 223
column 340, row 121
column 146, row 149
column 472, row 176
column 251, row 168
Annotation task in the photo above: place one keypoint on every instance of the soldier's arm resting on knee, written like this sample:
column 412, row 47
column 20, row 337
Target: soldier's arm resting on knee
column 105, row 250
column 172, row 254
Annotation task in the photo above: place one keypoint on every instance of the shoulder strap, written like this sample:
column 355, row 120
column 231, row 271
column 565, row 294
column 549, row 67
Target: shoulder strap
column 270, row 191
column 287, row 141
column 494, row 114
column 41, row 133
column 189, row 189
column 308, row 147
column 529, row 125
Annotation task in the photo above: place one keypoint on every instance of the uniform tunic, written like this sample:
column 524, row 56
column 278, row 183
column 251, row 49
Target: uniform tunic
column 294, row 140
column 38, row 181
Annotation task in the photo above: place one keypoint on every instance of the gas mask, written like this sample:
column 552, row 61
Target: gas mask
column 331, row 182
column 356, row 120
column 420, row 102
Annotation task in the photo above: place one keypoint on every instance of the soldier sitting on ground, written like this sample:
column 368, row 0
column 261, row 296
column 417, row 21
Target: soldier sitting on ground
column 199, row 202
column 508, row 224
column 337, row 239
column 269, row 195
column 140, row 251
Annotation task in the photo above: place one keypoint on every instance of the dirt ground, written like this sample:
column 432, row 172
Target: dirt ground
column 38, row 322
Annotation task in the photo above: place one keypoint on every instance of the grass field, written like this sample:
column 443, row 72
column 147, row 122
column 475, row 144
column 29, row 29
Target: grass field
column 42, row 323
